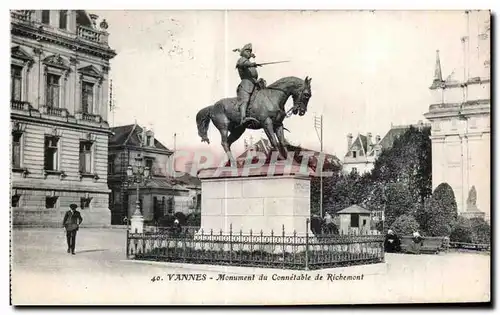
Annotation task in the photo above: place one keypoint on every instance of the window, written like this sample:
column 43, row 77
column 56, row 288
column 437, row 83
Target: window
column 149, row 163
column 15, row 82
column 170, row 205
column 354, row 220
column 46, row 16
column 87, row 97
column 63, row 19
column 148, row 141
column 15, row 200
column 51, row 153
column 50, row 202
column 85, row 157
column 354, row 169
column 53, row 90
column 354, row 153
column 85, row 203
column 16, row 150
column 111, row 164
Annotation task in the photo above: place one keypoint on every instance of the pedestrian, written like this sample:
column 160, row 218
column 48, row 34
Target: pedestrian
column 392, row 242
column 71, row 222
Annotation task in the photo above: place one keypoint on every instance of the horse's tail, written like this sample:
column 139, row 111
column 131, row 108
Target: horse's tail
column 203, row 121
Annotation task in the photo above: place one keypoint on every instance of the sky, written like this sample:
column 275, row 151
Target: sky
column 368, row 69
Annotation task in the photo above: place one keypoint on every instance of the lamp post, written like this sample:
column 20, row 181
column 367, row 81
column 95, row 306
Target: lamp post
column 137, row 174
column 318, row 125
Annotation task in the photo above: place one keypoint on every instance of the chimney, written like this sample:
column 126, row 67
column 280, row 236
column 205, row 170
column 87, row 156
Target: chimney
column 349, row 141
column 377, row 138
column 369, row 136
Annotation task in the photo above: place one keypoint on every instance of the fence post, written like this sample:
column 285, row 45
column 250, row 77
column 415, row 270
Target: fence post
column 128, row 244
column 283, row 239
column 307, row 244
column 230, row 243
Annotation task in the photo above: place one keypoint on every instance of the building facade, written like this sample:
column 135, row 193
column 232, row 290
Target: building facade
column 162, row 194
column 363, row 151
column 460, row 117
column 59, row 83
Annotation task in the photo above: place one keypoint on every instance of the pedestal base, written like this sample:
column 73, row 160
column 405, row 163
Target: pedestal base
column 137, row 224
column 260, row 202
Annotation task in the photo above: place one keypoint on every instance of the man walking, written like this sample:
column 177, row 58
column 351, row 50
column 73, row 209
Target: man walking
column 71, row 222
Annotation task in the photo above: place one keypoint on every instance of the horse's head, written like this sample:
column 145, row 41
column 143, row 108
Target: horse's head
column 301, row 98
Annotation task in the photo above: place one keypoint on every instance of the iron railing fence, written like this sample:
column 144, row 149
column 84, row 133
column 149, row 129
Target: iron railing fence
column 255, row 249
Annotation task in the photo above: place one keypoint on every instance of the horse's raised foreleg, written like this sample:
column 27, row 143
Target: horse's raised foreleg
column 281, row 140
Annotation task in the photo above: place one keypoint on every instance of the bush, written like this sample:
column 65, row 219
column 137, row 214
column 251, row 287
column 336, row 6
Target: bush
column 462, row 231
column 441, row 212
column 481, row 231
column 405, row 225
column 193, row 219
column 166, row 221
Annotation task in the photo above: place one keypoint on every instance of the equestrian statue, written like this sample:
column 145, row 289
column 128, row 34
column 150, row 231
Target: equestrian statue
column 257, row 106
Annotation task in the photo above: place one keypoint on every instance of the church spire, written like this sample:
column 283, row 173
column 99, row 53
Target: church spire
column 438, row 75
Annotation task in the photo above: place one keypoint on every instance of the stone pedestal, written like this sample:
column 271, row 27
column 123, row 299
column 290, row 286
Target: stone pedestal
column 137, row 224
column 255, row 199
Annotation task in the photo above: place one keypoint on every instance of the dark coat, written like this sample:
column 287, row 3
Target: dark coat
column 71, row 221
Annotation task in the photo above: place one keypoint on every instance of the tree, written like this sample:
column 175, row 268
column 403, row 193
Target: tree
column 408, row 161
column 442, row 212
column 405, row 225
column 398, row 202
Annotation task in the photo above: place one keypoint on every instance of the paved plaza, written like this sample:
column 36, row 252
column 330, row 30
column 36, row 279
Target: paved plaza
column 43, row 273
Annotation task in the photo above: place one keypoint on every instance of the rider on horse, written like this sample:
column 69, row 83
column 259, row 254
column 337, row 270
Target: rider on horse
column 249, row 79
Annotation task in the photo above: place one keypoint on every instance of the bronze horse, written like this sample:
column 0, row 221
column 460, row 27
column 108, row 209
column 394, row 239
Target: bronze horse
column 265, row 111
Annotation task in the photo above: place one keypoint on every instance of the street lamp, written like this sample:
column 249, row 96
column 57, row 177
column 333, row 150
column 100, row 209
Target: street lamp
column 137, row 174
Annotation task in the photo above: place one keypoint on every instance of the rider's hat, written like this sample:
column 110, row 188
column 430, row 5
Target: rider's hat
column 247, row 47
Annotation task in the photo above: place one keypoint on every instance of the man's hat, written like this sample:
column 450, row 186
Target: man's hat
column 73, row 206
column 247, row 47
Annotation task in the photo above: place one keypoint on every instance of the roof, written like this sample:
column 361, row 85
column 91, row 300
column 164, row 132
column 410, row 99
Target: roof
column 188, row 180
column 397, row 131
column 263, row 145
column 354, row 209
column 129, row 135
column 392, row 135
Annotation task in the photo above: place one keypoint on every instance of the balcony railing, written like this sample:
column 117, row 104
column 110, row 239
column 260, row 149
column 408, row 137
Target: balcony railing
column 54, row 111
column 23, row 15
column 91, row 34
column 19, row 105
column 82, row 32
column 90, row 117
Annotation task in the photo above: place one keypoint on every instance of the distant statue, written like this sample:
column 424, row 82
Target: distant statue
column 471, row 199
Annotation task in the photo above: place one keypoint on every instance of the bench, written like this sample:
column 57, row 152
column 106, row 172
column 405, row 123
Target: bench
column 428, row 245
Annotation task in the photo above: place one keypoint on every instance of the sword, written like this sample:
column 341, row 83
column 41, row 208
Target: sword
column 271, row 63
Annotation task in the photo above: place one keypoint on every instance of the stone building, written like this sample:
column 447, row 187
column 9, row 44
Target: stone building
column 460, row 117
column 162, row 194
column 364, row 150
column 59, row 129
column 361, row 153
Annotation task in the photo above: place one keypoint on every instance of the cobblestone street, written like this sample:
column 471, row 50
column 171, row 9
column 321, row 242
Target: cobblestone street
column 43, row 273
